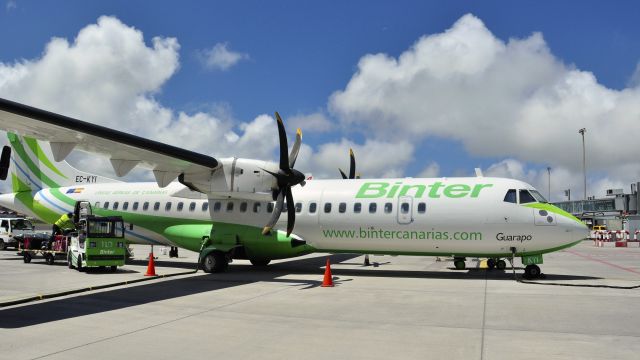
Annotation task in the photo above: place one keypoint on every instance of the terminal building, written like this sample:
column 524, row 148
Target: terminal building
column 617, row 211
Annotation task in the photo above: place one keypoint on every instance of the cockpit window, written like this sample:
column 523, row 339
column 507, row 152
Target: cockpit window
column 538, row 196
column 526, row 197
column 511, row 196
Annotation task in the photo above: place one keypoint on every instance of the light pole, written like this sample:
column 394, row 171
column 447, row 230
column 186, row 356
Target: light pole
column 549, row 182
column 584, row 162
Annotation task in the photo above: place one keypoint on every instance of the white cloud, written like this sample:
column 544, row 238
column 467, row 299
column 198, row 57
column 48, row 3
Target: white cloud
column 220, row 57
column 109, row 76
column 499, row 99
column 11, row 4
column 316, row 122
column 432, row 170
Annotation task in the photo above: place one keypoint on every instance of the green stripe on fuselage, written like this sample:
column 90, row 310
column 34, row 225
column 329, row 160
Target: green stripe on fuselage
column 553, row 209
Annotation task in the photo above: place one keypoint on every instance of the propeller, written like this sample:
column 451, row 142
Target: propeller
column 5, row 159
column 352, row 167
column 286, row 177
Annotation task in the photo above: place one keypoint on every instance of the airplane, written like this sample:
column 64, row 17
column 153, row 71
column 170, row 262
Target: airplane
column 234, row 208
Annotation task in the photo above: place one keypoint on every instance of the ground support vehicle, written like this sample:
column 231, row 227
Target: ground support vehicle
column 12, row 227
column 99, row 242
column 35, row 245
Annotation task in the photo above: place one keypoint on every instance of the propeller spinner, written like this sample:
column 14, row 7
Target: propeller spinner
column 286, row 177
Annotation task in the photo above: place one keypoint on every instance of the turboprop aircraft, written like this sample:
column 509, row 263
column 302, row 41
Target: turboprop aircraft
column 233, row 208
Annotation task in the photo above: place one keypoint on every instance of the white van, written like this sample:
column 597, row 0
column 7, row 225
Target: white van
column 10, row 227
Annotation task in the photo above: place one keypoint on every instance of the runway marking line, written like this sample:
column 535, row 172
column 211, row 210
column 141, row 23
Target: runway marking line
column 588, row 257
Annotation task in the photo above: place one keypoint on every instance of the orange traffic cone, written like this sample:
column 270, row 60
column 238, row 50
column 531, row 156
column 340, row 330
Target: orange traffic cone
column 151, row 267
column 328, row 280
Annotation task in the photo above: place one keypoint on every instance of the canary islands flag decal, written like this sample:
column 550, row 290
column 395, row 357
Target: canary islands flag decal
column 75, row 190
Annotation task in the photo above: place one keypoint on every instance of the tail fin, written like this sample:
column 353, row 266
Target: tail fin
column 33, row 168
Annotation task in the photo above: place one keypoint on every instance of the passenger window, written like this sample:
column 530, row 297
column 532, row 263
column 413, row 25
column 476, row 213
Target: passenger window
column 342, row 208
column 229, row 206
column 327, row 208
column 180, row 206
column 125, row 206
column 156, row 206
column 167, row 207
column 510, row 196
column 270, row 207
column 217, row 206
column 357, row 208
column 388, row 207
column 145, row 206
column 298, row 207
column 422, row 208
column 243, row 206
column 115, row 205
column 192, row 206
column 404, row 208
column 373, row 207
column 256, row 207
column 526, row 197
column 135, row 206
column 106, row 205
column 312, row 208
column 205, row 206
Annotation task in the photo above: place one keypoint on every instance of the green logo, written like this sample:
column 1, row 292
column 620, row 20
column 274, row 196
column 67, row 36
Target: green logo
column 373, row 190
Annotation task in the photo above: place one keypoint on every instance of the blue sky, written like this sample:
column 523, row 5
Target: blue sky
column 297, row 54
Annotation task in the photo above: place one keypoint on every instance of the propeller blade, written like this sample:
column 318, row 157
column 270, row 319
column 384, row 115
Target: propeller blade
column 291, row 213
column 284, row 147
column 296, row 148
column 5, row 162
column 277, row 209
column 352, row 165
column 344, row 176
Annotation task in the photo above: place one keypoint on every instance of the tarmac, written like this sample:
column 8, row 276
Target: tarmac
column 401, row 307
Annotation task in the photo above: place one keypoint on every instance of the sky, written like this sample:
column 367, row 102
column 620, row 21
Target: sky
column 416, row 88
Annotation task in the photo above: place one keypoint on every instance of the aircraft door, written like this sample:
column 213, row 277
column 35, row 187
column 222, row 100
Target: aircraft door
column 405, row 210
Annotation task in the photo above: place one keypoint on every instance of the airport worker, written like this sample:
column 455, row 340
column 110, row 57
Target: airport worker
column 64, row 225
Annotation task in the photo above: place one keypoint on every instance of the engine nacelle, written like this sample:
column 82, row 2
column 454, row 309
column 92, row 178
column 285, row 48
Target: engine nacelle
column 238, row 178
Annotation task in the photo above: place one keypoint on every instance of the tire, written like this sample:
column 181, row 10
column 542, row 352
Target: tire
column 2, row 245
column 113, row 268
column 491, row 263
column 214, row 262
column 69, row 262
column 260, row 262
column 459, row 264
column 79, row 264
column 48, row 258
column 26, row 257
column 532, row 271
column 501, row 265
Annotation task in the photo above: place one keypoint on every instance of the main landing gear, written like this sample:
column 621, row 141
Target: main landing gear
column 496, row 263
column 215, row 262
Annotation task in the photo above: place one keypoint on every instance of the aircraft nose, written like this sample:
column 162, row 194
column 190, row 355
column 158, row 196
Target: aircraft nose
column 575, row 227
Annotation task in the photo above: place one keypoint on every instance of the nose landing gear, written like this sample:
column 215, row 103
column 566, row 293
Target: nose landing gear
column 532, row 272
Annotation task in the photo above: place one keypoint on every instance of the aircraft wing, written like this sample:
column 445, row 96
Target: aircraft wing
column 125, row 151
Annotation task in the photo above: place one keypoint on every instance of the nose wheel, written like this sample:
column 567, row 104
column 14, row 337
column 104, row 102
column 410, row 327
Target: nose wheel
column 532, row 271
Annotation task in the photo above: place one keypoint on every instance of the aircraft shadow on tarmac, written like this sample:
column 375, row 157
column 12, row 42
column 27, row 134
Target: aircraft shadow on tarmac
column 92, row 303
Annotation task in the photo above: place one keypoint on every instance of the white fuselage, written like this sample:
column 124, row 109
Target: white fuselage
column 403, row 216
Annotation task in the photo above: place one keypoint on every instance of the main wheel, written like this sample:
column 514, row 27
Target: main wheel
column 26, row 257
column 2, row 245
column 459, row 264
column 532, row 271
column 491, row 263
column 48, row 258
column 79, row 264
column 501, row 265
column 260, row 262
column 214, row 262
